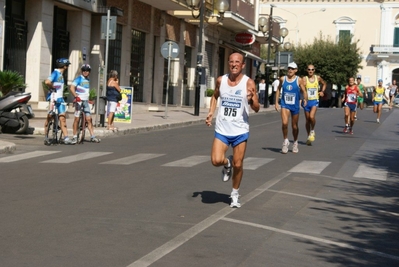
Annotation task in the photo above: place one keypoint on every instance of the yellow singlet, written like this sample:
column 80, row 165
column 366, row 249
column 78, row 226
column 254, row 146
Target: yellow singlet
column 379, row 94
column 312, row 88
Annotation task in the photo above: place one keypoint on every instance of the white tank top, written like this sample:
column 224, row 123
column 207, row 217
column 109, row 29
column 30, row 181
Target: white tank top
column 232, row 117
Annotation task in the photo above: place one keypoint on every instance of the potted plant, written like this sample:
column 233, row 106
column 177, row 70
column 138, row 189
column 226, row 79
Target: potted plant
column 11, row 81
column 92, row 96
column 209, row 94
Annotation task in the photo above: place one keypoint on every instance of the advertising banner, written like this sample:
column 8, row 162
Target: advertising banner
column 123, row 111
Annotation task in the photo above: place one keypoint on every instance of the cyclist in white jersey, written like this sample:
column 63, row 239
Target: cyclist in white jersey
column 237, row 93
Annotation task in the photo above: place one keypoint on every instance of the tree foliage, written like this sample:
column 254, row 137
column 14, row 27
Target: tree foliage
column 335, row 62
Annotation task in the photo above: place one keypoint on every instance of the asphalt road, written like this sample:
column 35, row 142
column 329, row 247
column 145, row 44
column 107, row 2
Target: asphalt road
column 154, row 199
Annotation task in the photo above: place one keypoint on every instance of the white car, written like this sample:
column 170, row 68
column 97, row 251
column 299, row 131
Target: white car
column 396, row 100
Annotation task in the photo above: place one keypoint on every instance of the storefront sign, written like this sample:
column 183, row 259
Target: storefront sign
column 245, row 38
column 123, row 111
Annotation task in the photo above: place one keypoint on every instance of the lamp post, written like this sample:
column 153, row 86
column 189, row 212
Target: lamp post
column 269, row 43
column 297, row 20
column 222, row 6
column 287, row 46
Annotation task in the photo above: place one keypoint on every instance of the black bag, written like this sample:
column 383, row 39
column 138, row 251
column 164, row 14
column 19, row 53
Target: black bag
column 118, row 96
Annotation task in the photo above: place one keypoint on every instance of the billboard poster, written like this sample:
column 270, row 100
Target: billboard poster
column 124, row 107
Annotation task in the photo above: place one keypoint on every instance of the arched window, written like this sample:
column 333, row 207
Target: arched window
column 345, row 27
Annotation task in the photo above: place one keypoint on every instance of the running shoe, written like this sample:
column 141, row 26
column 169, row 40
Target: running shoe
column 95, row 140
column 284, row 150
column 235, row 201
column 227, row 171
column 345, row 129
column 74, row 140
column 68, row 141
column 350, row 131
column 378, row 120
column 295, row 147
column 311, row 138
column 355, row 118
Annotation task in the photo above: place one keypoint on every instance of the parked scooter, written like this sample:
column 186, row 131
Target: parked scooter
column 15, row 112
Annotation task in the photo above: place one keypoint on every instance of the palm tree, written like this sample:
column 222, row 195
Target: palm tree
column 10, row 80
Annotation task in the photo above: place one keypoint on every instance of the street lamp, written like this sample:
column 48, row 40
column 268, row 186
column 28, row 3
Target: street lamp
column 222, row 6
column 297, row 20
column 266, row 26
column 286, row 46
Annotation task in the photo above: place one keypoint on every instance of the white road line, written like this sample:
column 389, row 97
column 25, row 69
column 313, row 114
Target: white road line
column 133, row 159
column 316, row 239
column 27, row 155
column 307, row 166
column 364, row 171
column 77, row 157
column 179, row 240
column 254, row 163
column 188, row 162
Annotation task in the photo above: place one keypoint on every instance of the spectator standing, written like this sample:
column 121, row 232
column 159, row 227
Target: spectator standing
column 237, row 92
column 113, row 91
column 290, row 88
column 393, row 88
column 275, row 85
column 262, row 90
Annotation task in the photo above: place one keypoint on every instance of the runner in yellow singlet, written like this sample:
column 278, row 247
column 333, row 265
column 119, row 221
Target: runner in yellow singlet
column 312, row 83
column 378, row 97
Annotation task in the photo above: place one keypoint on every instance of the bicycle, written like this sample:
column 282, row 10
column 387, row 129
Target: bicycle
column 53, row 126
column 82, row 124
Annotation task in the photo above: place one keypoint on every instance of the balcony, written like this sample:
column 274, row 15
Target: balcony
column 241, row 16
column 386, row 49
column 380, row 52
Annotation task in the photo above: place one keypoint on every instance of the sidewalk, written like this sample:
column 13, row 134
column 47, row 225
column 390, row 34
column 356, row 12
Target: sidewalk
column 141, row 122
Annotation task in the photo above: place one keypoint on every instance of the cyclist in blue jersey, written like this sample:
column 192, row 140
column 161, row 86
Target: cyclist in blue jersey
column 80, row 88
column 55, row 83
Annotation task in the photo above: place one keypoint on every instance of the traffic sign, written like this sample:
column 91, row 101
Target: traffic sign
column 169, row 49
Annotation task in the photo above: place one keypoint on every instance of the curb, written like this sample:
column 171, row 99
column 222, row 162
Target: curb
column 7, row 147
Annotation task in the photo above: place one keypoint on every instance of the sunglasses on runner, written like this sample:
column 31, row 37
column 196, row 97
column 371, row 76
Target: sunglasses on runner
column 310, row 69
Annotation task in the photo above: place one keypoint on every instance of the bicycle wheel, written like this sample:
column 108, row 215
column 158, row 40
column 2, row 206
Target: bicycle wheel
column 50, row 133
column 57, row 130
column 81, row 128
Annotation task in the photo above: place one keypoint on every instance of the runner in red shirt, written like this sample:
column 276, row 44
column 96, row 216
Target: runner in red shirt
column 350, row 102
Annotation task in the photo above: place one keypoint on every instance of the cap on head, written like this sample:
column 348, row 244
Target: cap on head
column 292, row 65
column 380, row 80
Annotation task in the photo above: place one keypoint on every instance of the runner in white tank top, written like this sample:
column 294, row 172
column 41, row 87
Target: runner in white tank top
column 237, row 93
column 232, row 117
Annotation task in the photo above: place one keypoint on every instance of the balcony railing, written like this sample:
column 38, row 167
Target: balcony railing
column 384, row 49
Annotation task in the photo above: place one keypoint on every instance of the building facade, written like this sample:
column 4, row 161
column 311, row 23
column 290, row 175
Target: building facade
column 34, row 33
column 374, row 23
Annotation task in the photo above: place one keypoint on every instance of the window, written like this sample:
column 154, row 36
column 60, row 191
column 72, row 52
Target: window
column 137, row 65
column 345, row 28
column 115, row 51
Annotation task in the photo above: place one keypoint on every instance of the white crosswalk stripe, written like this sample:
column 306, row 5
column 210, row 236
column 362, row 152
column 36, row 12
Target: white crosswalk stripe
column 27, row 155
column 188, row 162
column 364, row 171
column 250, row 163
column 77, row 157
column 306, row 166
column 254, row 163
column 133, row 159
